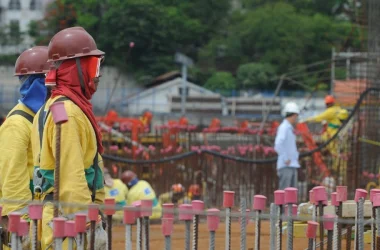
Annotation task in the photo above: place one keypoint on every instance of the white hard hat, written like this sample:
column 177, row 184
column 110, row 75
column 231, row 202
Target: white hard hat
column 291, row 107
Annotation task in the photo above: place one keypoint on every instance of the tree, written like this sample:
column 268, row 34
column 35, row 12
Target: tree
column 221, row 81
column 256, row 75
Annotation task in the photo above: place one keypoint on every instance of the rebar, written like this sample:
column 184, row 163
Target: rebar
column 92, row 236
column 361, row 224
column 109, row 232
column 57, row 244
column 340, row 208
column 356, row 226
column 273, row 218
column 138, row 234
column 335, row 231
column 168, row 243
column 128, row 237
column 70, row 244
column 14, row 241
column 243, row 243
column 329, row 240
column 310, row 244
column 279, row 232
column 378, row 221
column 1, row 242
column 228, row 229
column 378, row 243
column 290, row 227
column 212, row 240
column 257, row 230
column 348, row 237
column 57, row 169
column 146, row 233
column 187, row 234
column 80, row 242
column 34, row 235
column 373, row 228
column 195, row 231
column 321, row 228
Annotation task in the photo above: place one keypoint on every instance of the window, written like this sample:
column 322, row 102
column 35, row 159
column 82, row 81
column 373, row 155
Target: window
column 33, row 5
column 14, row 5
column 14, row 31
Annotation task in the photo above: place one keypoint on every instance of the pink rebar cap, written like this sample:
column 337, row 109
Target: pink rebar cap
column 35, row 211
column 279, row 197
column 360, row 193
column 213, row 219
column 137, row 205
column 14, row 222
column 146, row 208
column 23, row 228
column 320, row 194
column 228, row 199
column 376, row 200
column 259, row 202
column 198, row 206
column 291, row 195
column 168, row 210
column 312, row 227
column 167, row 226
column 328, row 221
column 311, row 197
column 80, row 223
column 59, row 227
column 341, row 192
column 109, row 208
column 294, row 209
column 93, row 212
column 372, row 193
column 334, row 202
column 70, row 229
column 185, row 212
column 129, row 215
column 59, row 112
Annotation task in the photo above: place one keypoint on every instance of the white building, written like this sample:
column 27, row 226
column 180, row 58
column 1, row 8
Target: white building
column 17, row 14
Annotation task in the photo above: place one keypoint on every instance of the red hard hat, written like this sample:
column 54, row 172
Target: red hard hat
column 195, row 189
column 329, row 99
column 72, row 43
column 127, row 176
column 33, row 61
column 178, row 188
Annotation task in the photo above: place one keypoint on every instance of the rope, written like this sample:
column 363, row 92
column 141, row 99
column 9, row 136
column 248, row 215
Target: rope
column 273, row 219
column 187, row 234
column 212, row 240
column 168, row 244
column 128, row 237
column 228, row 229
column 290, row 227
column 243, row 207
column 195, row 231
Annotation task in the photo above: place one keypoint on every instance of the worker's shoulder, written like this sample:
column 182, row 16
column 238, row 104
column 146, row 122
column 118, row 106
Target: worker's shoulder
column 71, row 108
column 18, row 120
column 285, row 125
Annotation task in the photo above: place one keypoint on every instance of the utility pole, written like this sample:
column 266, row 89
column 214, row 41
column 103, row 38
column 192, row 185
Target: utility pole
column 185, row 63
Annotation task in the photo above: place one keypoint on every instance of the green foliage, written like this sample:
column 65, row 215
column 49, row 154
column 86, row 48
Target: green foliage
column 255, row 75
column 221, row 81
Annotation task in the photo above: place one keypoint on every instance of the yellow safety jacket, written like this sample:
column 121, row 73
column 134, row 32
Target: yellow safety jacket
column 330, row 115
column 16, row 163
column 119, row 192
column 142, row 191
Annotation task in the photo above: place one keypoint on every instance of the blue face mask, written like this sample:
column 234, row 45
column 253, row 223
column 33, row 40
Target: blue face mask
column 33, row 91
column 132, row 183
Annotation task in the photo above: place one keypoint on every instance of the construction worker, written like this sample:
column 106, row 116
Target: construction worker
column 176, row 195
column 286, row 148
column 342, row 115
column 75, row 79
column 140, row 190
column 115, row 188
column 16, row 163
column 194, row 192
column 330, row 116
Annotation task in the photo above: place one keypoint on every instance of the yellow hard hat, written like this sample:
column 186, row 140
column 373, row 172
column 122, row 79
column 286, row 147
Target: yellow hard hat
column 343, row 114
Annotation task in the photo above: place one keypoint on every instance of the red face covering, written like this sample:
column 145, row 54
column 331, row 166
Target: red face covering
column 68, row 84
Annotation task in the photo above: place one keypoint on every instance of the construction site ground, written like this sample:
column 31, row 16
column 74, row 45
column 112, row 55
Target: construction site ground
column 178, row 238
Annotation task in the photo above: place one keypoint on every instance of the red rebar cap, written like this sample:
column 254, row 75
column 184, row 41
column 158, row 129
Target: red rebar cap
column 129, row 215
column 59, row 227
column 137, row 205
column 291, row 195
column 312, row 227
column 334, row 202
column 198, row 206
column 376, row 200
column 259, row 202
column 228, row 199
column 328, row 221
column 213, row 219
column 13, row 222
column 168, row 210
column 35, row 211
column 146, row 208
column 109, row 208
column 70, row 229
column 93, row 212
column 23, row 228
column 167, row 226
column 185, row 212
column 58, row 111
column 372, row 193
column 341, row 193
column 360, row 193
column 80, row 223
column 320, row 194
column 279, row 197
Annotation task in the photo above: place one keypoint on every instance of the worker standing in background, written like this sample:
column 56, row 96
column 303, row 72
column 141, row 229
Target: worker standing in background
column 286, row 148
column 140, row 190
column 75, row 79
column 194, row 192
column 16, row 161
column 115, row 188
column 176, row 195
column 330, row 116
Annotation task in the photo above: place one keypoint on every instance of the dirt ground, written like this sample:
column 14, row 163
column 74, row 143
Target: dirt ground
column 157, row 240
